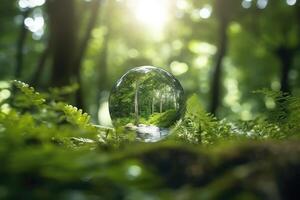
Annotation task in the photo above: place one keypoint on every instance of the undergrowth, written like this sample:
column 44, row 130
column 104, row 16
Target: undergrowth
column 49, row 149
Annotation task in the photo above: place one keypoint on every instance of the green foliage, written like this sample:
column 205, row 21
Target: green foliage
column 29, row 96
column 50, row 150
column 202, row 128
column 75, row 116
column 163, row 119
column 286, row 114
column 59, row 93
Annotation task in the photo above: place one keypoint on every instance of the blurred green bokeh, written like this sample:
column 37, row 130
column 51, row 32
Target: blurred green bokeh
column 220, row 50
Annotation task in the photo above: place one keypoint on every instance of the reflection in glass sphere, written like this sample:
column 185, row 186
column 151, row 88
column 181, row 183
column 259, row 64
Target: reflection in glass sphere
column 147, row 100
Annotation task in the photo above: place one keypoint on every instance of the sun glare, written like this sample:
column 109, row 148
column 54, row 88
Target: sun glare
column 152, row 13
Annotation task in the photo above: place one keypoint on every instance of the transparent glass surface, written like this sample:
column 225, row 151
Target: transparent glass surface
column 147, row 100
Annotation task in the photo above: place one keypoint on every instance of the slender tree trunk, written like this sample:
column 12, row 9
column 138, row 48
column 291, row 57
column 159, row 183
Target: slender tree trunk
column 40, row 66
column 102, row 69
column 175, row 104
column 285, row 55
column 152, row 106
column 222, row 46
column 160, row 104
column 95, row 6
column 102, row 66
column 20, row 46
column 63, row 35
column 149, row 108
column 136, row 103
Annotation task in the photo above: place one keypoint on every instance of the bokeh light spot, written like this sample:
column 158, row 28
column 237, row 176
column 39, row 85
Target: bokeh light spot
column 261, row 4
column 291, row 2
column 205, row 12
column 246, row 4
column 134, row 171
column 178, row 68
column 152, row 13
column 30, row 3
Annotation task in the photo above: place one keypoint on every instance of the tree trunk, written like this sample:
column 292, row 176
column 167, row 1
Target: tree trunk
column 40, row 67
column 222, row 46
column 174, row 98
column 285, row 55
column 160, row 104
column 102, row 66
column 20, row 46
column 102, row 69
column 63, row 35
column 136, row 103
column 95, row 6
column 152, row 106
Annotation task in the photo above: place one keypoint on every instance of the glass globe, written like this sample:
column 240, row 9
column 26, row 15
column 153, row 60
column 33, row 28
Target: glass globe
column 146, row 100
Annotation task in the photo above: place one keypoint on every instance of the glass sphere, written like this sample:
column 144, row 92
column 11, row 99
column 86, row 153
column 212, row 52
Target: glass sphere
column 147, row 100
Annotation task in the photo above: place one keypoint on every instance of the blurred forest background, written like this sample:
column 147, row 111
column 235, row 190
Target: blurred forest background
column 222, row 50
